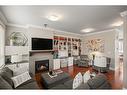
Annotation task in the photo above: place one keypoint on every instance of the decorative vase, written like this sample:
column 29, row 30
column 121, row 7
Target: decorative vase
column 11, row 42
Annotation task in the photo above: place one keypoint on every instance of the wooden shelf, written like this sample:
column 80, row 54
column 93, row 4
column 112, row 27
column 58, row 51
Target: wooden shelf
column 69, row 44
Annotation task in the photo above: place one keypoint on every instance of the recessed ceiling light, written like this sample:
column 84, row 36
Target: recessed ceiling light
column 53, row 17
column 87, row 30
column 119, row 23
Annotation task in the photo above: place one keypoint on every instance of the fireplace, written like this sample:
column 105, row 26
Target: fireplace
column 41, row 66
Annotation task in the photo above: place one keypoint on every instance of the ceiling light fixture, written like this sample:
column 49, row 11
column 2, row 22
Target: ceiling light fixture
column 45, row 25
column 53, row 17
column 87, row 30
column 117, row 23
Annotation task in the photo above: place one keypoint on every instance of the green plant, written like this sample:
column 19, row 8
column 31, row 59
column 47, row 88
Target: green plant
column 13, row 36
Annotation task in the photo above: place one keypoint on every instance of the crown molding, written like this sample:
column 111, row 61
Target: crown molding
column 99, row 32
column 69, row 33
column 123, row 13
column 52, row 29
column 3, row 18
column 16, row 25
column 42, row 27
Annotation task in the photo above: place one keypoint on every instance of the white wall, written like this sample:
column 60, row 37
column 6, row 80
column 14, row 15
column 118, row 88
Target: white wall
column 11, row 29
column 10, row 50
column 2, row 44
column 2, row 38
column 34, row 32
column 109, row 43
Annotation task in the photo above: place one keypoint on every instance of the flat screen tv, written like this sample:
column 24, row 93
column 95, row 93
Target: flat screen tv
column 42, row 44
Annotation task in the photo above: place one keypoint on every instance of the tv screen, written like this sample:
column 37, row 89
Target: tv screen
column 42, row 44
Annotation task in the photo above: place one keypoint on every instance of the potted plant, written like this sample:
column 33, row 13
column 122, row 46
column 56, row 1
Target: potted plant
column 13, row 37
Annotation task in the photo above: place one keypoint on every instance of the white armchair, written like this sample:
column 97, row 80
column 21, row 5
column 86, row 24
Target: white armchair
column 101, row 63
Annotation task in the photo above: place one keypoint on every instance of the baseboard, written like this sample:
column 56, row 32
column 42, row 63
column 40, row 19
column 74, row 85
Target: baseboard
column 116, row 68
column 113, row 69
column 124, row 88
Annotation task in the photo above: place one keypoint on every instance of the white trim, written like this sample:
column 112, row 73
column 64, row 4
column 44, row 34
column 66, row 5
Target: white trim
column 55, row 30
column 60, row 31
column 99, row 32
column 123, row 13
column 42, row 27
column 52, row 29
column 3, row 18
column 2, row 66
column 2, row 24
column 116, row 68
column 16, row 25
column 113, row 69
column 124, row 88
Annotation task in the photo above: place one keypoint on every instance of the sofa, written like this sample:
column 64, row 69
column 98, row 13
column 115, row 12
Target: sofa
column 97, row 82
column 7, row 83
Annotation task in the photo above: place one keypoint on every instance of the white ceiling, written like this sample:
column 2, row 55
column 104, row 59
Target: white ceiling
column 73, row 18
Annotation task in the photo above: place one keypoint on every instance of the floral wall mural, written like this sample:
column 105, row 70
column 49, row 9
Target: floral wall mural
column 95, row 45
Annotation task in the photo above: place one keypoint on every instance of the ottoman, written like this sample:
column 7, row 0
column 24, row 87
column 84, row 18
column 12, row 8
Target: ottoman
column 49, row 82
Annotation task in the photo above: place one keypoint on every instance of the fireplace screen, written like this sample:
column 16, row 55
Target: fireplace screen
column 41, row 65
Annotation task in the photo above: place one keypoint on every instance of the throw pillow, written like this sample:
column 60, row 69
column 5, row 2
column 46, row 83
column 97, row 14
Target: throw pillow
column 77, row 80
column 86, row 76
column 4, row 84
column 18, row 80
column 19, row 71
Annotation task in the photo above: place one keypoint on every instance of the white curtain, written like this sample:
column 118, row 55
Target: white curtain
column 2, row 44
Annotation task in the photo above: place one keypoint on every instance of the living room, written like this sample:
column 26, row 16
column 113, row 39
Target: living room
column 55, row 47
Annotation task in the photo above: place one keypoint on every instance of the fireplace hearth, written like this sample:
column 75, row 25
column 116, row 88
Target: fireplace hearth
column 41, row 66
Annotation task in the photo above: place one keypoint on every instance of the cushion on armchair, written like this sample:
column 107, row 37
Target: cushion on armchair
column 84, row 57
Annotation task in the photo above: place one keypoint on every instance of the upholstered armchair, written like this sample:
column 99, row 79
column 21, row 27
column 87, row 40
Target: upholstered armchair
column 101, row 63
column 83, row 61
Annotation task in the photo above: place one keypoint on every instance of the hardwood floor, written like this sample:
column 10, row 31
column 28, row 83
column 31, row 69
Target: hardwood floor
column 114, row 77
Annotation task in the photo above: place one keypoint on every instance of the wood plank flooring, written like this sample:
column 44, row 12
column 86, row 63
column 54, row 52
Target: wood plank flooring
column 114, row 77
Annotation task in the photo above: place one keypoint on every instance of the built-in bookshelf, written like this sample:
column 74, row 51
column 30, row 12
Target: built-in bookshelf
column 71, row 45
